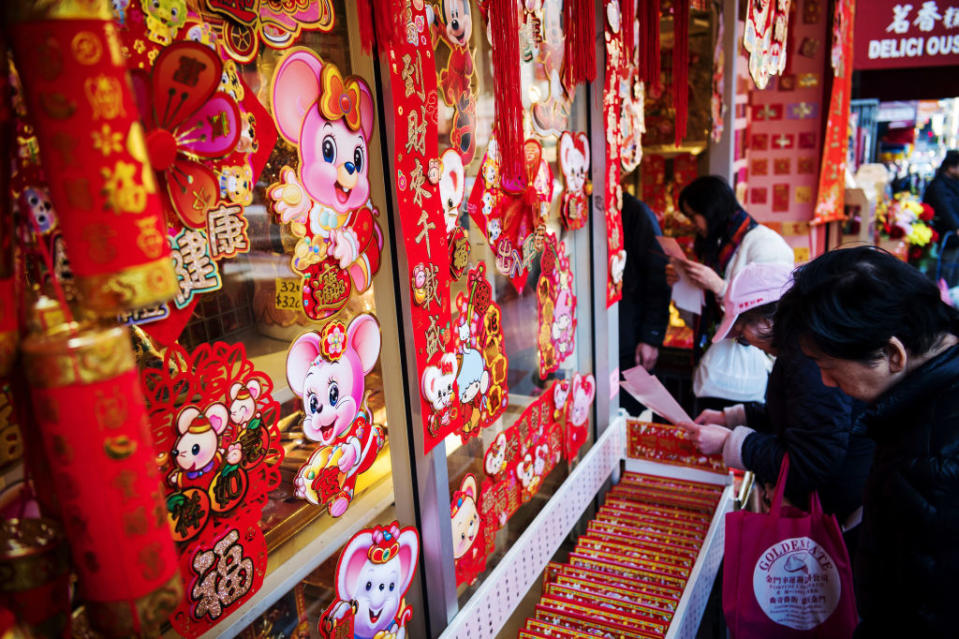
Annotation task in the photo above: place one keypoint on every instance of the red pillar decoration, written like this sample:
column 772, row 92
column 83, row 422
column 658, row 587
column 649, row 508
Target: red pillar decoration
column 89, row 409
column 78, row 93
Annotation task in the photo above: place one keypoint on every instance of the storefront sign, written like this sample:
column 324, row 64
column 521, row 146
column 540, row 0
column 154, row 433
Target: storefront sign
column 893, row 34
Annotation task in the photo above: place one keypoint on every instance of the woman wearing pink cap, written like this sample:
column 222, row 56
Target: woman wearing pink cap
column 815, row 424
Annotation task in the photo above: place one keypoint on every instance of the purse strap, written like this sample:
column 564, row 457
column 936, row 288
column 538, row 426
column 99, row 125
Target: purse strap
column 815, row 506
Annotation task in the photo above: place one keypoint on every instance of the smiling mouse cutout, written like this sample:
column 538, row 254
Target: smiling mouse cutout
column 328, row 371
column 325, row 200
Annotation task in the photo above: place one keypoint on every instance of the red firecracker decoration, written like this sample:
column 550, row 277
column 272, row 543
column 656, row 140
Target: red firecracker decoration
column 78, row 93
column 507, row 87
column 579, row 22
column 681, row 67
column 89, row 408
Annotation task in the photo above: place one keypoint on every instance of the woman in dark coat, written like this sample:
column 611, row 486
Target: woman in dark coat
column 878, row 330
column 814, row 423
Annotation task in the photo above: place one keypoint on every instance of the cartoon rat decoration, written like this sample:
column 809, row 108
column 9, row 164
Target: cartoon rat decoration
column 574, row 165
column 581, row 397
column 328, row 371
column 329, row 118
column 467, row 532
column 372, row 576
column 453, row 22
column 452, row 186
column 197, row 451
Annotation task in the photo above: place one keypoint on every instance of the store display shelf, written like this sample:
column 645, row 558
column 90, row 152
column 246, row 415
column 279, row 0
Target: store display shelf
column 488, row 609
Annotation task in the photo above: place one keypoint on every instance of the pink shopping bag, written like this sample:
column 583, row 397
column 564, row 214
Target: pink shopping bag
column 787, row 572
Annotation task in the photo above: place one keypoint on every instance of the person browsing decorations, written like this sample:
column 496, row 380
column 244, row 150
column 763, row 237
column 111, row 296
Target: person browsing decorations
column 879, row 331
column 727, row 239
column 815, row 423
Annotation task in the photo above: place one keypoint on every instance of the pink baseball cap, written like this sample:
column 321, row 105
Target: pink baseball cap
column 755, row 285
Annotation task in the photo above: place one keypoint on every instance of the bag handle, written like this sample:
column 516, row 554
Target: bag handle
column 777, row 502
column 815, row 506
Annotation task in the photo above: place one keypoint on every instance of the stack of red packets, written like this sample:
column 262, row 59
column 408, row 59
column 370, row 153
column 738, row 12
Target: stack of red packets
column 627, row 573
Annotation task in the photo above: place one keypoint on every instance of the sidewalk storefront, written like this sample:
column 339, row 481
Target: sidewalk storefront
column 309, row 310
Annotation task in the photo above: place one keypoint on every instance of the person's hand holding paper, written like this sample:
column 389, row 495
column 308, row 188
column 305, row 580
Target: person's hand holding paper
column 687, row 296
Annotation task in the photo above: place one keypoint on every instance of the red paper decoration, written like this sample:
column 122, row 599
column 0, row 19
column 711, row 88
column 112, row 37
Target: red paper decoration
column 509, row 214
column 469, row 549
column 91, row 139
column 574, row 165
column 767, row 25
column 219, row 452
column 431, row 252
column 556, row 307
column 832, row 174
column 90, row 412
column 615, row 71
column 550, row 115
column 481, row 385
column 454, row 27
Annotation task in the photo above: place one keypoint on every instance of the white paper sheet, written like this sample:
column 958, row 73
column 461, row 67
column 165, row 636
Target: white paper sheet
column 650, row 392
column 686, row 295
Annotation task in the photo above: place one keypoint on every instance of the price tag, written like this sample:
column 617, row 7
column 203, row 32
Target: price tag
column 289, row 294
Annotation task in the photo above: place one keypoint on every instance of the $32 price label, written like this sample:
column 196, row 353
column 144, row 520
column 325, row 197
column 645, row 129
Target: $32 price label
column 289, row 294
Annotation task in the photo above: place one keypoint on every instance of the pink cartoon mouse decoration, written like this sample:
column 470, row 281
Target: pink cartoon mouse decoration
column 581, row 397
column 197, row 451
column 328, row 371
column 330, row 119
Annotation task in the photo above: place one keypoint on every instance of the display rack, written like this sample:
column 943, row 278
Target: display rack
column 493, row 603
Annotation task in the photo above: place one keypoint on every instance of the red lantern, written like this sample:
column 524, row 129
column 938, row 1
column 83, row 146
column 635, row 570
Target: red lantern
column 87, row 124
column 89, row 407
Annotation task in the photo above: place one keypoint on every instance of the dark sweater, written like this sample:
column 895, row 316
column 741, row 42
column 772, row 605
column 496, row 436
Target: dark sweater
column 909, row 548
column 644, row 309
column 817, row 426
column 942, row 194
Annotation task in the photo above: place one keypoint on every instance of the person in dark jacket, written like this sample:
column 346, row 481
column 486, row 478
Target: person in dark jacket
column 942, row 194
column 815, row 424
column 878, row 330
column 644, row 309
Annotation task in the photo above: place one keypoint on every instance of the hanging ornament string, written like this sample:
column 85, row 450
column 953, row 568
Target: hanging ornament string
column 649, row 39
column 681, row 67
column 579, row 60
column 507, row 87
column 629, row 29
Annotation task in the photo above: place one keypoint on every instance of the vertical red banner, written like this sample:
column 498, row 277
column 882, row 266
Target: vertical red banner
column 613, row 190
column 417, row 172
column 832, row 173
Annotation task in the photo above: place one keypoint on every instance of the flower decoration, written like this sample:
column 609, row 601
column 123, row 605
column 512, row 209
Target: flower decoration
column 190, row 121
column 333, row 343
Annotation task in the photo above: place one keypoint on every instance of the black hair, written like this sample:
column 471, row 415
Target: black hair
column 951, row 160
column 713, row 198
column 848, row 303
column 758, row 313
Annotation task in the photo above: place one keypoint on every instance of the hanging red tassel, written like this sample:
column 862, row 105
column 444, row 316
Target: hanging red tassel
column 579, row 60
column 629, row 29
column 649, row 41
column 507, row 86
column 681, row 67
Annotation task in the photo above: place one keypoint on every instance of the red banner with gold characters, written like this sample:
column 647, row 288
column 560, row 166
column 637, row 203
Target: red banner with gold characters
column 90, row 136
column 832, row 173
column 418, row 168
column 90, row 411
column 615, row 62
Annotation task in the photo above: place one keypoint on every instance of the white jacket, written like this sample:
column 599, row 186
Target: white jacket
column 728, row 369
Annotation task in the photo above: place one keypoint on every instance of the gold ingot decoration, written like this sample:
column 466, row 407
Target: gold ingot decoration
column 129, row 289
